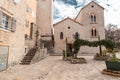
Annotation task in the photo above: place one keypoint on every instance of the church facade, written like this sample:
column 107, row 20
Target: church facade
column 88, row 25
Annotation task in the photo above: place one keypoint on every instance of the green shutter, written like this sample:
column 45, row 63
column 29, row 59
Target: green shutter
column 1, row 17
column 13, row 25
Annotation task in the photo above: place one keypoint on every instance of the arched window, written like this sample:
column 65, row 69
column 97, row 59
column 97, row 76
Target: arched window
column 61, row 35
column 76, row 35
column 93, row 32
column 93, row 18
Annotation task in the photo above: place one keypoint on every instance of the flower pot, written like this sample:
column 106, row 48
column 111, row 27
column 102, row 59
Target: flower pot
column 113, row 65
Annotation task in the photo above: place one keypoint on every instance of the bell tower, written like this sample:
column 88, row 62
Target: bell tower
column 45, row 17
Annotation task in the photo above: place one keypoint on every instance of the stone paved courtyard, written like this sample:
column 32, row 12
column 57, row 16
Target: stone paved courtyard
column 53, row 68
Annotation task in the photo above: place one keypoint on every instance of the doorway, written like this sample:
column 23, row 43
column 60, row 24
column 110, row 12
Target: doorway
column 69, row 48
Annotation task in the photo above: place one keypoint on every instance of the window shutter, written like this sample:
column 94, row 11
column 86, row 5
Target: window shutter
column 1, row 17
column 13, row 25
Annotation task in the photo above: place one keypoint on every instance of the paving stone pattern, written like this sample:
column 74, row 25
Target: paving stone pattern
column 53, row 68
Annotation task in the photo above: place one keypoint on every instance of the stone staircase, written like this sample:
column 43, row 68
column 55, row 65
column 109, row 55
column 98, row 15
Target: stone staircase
column 29, row 56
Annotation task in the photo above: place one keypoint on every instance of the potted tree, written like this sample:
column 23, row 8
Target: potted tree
column 113, row 63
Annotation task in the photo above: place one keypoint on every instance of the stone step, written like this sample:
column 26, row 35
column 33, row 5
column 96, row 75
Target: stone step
column 111, row 72
column 28, row 57
column 27, row 60
column 24, row 63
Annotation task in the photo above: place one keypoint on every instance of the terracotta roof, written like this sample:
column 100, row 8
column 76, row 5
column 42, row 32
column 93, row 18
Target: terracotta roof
column 87, row 5
column 66, row 19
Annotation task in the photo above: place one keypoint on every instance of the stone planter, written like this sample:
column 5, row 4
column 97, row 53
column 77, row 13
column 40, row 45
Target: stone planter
column 101, row 57
column 78, row 61
column 113, row 65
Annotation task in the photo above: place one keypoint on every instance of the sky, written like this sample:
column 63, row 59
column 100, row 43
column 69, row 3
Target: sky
column 65, row 8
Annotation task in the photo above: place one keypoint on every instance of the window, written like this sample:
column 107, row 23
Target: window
column 69, row 27
column 93, row 18
column 92, row 6
column 76, row 35
column 4, row 21
column 7, row 22
column 93, row 32
column 61, row 35
column 31, row 30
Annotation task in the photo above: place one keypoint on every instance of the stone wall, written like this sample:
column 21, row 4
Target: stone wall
column 40, row 54
column 14, row 36
column 13, row 39
column 45, row 16
column 84, row 18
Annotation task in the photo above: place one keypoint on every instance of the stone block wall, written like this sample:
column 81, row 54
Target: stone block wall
column 13, row 39
column 40, row 54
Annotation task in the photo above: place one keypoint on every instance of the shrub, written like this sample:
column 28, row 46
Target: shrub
column 109, row 44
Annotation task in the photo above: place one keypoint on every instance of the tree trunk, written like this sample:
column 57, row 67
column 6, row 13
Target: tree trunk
column 75, row 55
column 100, row 48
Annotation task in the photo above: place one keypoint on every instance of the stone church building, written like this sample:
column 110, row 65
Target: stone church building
column 25, row 23
column 88, row 24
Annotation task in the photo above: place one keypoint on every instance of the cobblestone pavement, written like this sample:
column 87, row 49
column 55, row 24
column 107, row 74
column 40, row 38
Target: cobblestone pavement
column 53, row 68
